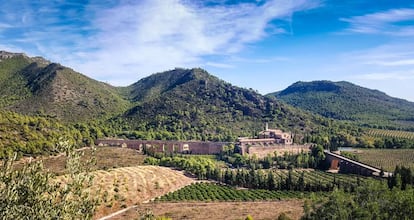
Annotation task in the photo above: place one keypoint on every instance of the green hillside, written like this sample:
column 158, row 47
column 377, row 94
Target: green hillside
column 34, row 135
column 179, row 104
column 30, row 86
column 346, row 101
column 192, row 104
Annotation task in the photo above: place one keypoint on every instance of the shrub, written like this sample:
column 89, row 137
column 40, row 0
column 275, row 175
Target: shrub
column 33, row 193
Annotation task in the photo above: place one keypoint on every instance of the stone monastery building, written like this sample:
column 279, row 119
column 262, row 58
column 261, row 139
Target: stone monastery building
column 268, row 137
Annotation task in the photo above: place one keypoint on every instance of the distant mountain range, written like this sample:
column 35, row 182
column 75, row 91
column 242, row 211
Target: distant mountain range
column 185, row 103
column 189, row 103
column 346, row 101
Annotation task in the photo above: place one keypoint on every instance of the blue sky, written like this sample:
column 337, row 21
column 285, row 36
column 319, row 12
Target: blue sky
column 261, row 44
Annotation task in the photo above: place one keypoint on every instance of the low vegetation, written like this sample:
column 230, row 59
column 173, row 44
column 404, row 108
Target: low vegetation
column 34, row 193
column 213, row 192
column 346, row 101
column 372, row 201
column 387, row 159
column 106, row 158
column 291, row 209
column 244, row 176
column 391, row 133
column 126, row 186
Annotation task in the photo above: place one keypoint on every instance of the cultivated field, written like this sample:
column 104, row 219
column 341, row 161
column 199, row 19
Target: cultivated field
column 127, row 186
column 386, row 158
column 391, row 133
column 211, row 192
column 106, row 157
column 120, row 178
column 219, row 210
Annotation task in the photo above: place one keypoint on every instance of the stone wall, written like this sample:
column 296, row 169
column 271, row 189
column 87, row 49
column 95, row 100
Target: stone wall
column 193, row 147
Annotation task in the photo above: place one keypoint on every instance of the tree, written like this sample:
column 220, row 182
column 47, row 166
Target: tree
column 33, row 193
column 271, row 185
column 371, row 201
column 318, row 154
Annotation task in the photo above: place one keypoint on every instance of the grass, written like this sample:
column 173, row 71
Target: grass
column 386, row 158
column 127, row 186
column 391, row 133
column 219, row 210
column 209, row 192
column 106, row 158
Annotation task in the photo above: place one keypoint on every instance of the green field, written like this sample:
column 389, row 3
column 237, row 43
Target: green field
column 312, row 182
column 216, row 192
column 391, row 133
column 318, row 180
column 386, row 158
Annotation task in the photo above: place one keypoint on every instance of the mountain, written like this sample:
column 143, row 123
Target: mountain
column 193, row 104
column 36, row 86
column 346, row 101
column 176, row 104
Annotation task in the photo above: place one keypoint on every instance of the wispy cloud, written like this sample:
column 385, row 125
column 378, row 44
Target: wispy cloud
column 392, row 75
column 392, row 55
column 148, row 36
column 259, row 60
column 131, row 39
column 389, row 22
column 386, row 62
column 220, row 65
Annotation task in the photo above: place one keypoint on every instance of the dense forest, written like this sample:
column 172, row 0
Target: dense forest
column 346, row 101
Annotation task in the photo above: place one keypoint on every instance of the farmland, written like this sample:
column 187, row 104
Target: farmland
column 120, row 181
column 219, row 210
column 320, row 181
column 391, row 133
column 386, row 158
column 106, row 157
column 210, row 192
column 126, row 186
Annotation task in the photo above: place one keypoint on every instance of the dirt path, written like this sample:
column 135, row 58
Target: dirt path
column 127, row 187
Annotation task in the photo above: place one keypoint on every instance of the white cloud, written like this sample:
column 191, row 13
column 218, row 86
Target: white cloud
column 260, row 60
column 401, row 62
column 220, row 65
column 388, row 55
column 122, row 41
column 139, row 38
column 391, row 63
column 387, row 22
column 386, row 76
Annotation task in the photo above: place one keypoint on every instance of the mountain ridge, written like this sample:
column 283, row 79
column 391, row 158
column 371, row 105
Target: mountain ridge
column 347, row 101
column 30, row 86
column 193, row 101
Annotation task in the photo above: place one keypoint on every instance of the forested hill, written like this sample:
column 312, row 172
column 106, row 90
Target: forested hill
column 346, row 101
column 177, row 104
column 192, row 104
column 35, row 86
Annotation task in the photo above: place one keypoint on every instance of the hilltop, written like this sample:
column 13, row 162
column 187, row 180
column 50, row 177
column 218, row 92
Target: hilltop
column 36, row 86
column 347, row 101
column 193, row 104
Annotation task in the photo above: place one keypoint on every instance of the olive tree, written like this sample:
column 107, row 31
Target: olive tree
column 31, row 192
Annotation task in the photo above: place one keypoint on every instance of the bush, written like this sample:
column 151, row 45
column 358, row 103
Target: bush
column 33, row 193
